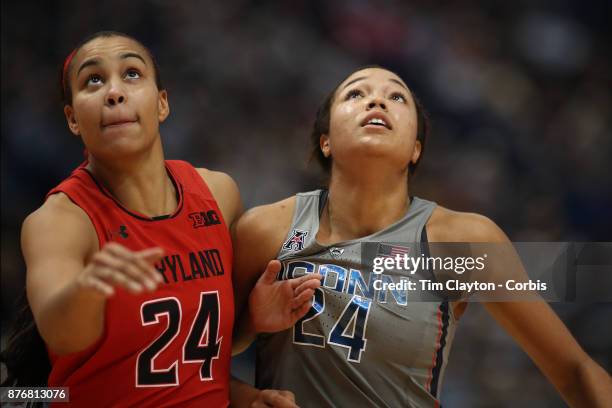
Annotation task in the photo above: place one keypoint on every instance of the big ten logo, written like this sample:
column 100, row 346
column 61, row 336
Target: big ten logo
column 204, row 218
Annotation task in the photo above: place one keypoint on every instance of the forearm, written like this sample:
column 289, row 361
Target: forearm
column 71, row 319
column 591, row 387
column 242, row 394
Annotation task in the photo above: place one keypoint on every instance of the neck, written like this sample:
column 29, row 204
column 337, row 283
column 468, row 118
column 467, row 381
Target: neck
column 140, row 184
column 362, row 205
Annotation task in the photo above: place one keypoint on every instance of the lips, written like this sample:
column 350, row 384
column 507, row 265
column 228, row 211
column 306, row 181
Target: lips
column 377, row 119
column 118, row 121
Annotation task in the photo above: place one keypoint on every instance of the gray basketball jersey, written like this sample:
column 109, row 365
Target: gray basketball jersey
column 357, row 346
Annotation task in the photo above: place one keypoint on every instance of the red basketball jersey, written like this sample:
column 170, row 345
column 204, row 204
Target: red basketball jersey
column 171, row 347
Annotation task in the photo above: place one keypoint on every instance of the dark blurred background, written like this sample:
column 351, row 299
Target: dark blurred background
column 519, row 94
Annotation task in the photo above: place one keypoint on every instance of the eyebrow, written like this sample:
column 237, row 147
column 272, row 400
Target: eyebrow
column 399, row 83
column 390, row 79
column 96, row 61
column 133, row 55
column 353, row 81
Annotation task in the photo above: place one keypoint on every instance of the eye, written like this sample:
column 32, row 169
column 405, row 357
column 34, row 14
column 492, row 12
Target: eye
column 353, row 94
column 93, row 79
column 398, row 97
column 132, row 74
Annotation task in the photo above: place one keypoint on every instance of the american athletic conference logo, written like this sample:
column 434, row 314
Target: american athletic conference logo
column 296, row 242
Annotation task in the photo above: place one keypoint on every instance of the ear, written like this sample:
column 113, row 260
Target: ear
column 71, row 119
column 325, row 146
column 163, row 108
column 416, row 152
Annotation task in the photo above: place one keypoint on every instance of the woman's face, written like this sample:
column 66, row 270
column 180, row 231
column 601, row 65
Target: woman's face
column 116, row 106
column 373, row 116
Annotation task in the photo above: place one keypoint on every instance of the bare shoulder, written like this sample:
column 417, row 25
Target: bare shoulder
column 447, row 225
column 58, row 224
column 257, row 237
column 267, row 223
column 217, row 179
column 58, row 211
column 225, row 191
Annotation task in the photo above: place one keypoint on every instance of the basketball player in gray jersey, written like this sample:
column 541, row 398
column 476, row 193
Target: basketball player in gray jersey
column 361, row 347
column 365, row 330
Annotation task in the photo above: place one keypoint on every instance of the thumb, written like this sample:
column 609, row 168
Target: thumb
column 269, row 275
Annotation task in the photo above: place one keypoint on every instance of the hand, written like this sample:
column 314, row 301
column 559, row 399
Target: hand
column 277, row 305
column 274, row 398
column 115, row 265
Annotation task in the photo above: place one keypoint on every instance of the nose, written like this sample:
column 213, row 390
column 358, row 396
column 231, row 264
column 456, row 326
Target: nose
column 116, row 95
column 377, row 102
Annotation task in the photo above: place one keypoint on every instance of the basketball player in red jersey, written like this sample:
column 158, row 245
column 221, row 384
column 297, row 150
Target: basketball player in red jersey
column 369, row 134
column 129, row 260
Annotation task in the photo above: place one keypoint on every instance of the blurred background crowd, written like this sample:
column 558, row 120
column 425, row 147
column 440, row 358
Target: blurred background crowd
column 519, row 94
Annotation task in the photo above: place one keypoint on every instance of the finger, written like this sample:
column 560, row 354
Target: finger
column 315, row 277
column 299, row 300
column 280, row 402
column 259, row 404
column 148, row 258
column 139, row 275
column 145, row 272
column 275, row 399
column 272, row 270
column 147, row 262
column 309, row 284
column 151, row 255
column 288, row 395
column 300, row 312
column 119, row 251
column 147, row 268
column 115, row 247
column 117, row 278
column 267, row 396
column 127, row 267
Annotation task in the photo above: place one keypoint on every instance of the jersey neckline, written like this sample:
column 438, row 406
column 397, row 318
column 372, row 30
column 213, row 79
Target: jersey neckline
column 178, row 188
column 324, row 195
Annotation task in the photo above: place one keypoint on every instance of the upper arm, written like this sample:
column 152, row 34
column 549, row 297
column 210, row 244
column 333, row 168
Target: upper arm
column 56, row 241
column 530, row 321
column 543, row 336
column 225, row 191
column 257, row 237
column 532, row 324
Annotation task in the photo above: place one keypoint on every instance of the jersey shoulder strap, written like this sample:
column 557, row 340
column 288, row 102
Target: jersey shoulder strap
column 191, row 181
column 305, row 223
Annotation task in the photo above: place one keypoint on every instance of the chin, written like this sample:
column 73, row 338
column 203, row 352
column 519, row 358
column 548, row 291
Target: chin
column 122, row 147
column 375, row 144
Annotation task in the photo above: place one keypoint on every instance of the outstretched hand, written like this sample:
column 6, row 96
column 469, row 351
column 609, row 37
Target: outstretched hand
column 117, row 266
column 276, row 305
